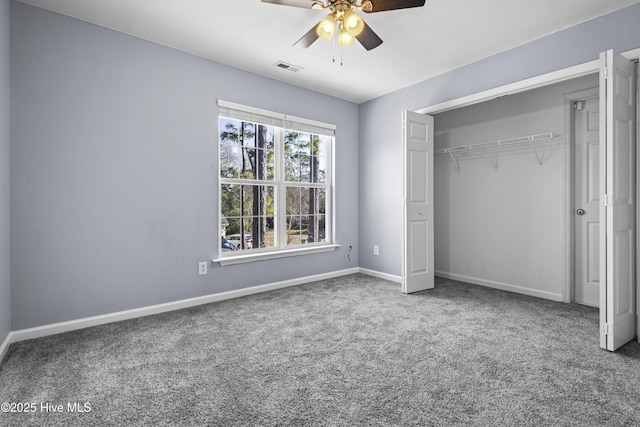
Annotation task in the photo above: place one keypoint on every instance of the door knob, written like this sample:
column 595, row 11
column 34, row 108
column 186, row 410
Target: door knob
column 580, row 212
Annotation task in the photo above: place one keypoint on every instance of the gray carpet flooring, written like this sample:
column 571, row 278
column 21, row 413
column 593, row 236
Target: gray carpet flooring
column 344, row 352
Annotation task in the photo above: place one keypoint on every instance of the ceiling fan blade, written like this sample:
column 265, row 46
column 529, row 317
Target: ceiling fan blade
column 384, row 5
column 368, row 38
column 307, row 4
column 308, row 39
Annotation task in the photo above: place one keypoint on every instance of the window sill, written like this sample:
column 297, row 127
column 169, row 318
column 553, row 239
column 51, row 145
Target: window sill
column 261, row 256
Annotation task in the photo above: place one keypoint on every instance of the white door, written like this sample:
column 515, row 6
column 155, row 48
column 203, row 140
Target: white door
column 617, row 217
column 417, row 271
column 587, row 201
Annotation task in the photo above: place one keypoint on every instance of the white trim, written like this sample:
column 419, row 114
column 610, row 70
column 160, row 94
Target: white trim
column 287, row 120
column 558, row 76
column 249, row 109
column 381, row 275
column 502, row 286
column 58, row 328
column 512, row 88
column 4, row 347
column 261, row 256
column 308, row 122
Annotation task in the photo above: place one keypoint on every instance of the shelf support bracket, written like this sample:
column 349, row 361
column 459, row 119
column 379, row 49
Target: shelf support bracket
column 534, row 151
column 454, row 160
column 494, row 159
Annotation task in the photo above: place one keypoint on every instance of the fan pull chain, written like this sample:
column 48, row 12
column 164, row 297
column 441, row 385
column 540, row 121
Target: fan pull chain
column 333, row 59
column 333, row 49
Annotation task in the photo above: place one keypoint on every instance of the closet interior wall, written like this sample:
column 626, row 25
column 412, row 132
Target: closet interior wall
column 500, row 219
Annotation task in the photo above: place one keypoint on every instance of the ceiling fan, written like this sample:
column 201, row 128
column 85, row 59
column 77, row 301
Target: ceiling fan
column 343, row 21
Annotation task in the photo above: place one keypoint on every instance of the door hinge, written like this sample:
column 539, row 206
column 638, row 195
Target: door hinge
column 606, row 200
column 578, row 105
column 607, row 329
column 605, row 72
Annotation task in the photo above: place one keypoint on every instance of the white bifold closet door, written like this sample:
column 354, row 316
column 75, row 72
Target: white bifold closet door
column 617, row 210
column 418, row 258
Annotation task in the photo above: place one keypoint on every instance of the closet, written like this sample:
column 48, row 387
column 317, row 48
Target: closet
column 512, row 226
column 502, row 182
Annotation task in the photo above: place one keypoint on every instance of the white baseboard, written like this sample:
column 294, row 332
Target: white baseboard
column 380, row 275
column 4, row 347
column 71, row 325
column 503, row 286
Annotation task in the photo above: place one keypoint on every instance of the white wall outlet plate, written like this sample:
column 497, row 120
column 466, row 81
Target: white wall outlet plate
column 202, row 268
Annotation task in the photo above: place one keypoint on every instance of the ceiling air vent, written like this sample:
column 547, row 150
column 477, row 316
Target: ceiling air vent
column 289, row 67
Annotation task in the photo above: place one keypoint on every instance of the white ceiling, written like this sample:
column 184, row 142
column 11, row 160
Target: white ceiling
column 418, row 43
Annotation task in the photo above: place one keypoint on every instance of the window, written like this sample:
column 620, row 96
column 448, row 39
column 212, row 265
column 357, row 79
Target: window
column 275, row 182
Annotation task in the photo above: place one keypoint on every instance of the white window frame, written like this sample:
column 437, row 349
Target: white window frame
column 280, row 122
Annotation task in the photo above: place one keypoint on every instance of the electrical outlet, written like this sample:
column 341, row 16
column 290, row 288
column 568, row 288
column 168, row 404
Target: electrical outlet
column 376, row 250
column 202, row 268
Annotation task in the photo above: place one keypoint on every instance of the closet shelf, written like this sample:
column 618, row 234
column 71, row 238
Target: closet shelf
column 528, row 139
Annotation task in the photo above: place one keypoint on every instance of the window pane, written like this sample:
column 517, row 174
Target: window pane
column 294, row 225
column 321, row 172
column 303, row 229
column 304, row 157
column 247, row 200
column 314, row 229
column 271, row 161
column 229, row 148
column 248, row 163
column 248, row 134
column 321, row 227
column 306, row 209
column 321, row 201
column 255, row 227
column 229, row 161
column 306, row 200
column 246, row 150
column 297, row 157
column 294, row 201
column 323, row 142
column 291, row 163
column 230, row 200
column 258, row 164
column 228, row 130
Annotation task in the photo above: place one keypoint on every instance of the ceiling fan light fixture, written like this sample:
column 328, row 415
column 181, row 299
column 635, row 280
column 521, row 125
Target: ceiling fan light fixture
column 344, row 38
column 366, row 6
column 327, row 27
column 353, row 23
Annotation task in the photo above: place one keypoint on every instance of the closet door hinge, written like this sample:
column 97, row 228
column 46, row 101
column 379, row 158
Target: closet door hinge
column 607, row 329
column 605, row 72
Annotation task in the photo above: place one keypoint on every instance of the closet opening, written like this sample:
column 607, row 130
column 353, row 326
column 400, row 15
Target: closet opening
column 502, row 178
column 494, row 214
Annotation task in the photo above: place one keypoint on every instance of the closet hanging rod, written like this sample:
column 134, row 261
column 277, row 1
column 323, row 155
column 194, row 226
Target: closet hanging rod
column 530, row 139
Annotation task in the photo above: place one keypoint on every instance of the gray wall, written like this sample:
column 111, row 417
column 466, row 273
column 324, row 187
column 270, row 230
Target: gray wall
column 380, row 129
column 506, row 226
column 5, row 277
column 114, row 171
